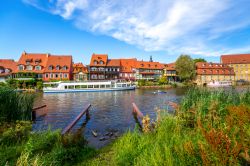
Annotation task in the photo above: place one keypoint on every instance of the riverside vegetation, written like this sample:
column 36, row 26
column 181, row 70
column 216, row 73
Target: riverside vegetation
column 210, row 127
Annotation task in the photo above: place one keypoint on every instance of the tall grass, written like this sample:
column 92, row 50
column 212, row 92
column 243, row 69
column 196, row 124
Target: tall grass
column 212, row 127
column 15, row 105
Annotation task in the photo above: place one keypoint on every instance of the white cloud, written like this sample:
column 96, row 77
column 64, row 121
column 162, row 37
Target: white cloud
column 176, row 26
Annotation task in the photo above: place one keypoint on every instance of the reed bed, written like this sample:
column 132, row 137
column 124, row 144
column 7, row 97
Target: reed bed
column 15, row 105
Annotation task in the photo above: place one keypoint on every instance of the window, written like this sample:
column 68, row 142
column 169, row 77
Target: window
column 7, row 70
column 20, row 67
column 57, row 67
column 38, row 67
column 50, row 67
column 101, row 62
column 51, row 75
column 93, row 76
column 65, row 75
column 65, row 67
column 101, row 76
column 61, row 75
column 95, row 62
column 56, row 75
column 46, row 75
column 29, row 67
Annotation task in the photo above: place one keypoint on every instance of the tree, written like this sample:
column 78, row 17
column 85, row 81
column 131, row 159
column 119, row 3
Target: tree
column 185, row 67
column 163, row 80
column 199, row 60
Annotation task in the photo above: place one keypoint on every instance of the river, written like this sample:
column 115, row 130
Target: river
column 111, row 112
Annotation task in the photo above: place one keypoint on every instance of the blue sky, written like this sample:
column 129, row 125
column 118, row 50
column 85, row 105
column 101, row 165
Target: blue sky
column 125, row 28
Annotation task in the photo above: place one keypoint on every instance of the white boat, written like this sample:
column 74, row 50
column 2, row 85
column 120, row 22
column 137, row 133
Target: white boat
column 219, row 83
column 63, row 87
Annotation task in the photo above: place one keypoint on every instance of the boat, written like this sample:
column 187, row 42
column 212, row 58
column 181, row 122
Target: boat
column 159, row 92
column 219, row 84
column 88, row 86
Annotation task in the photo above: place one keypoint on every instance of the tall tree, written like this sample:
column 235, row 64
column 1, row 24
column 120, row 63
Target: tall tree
column 185, row 67
column 199, row 60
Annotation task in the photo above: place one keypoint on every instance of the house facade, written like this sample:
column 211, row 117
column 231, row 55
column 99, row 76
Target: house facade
column 170, row 72
column 80, row 72
column 148, row 70
column 7, row 68
column 97, row 66
column 208, row 72
column 128, row 69
column 241, row 65
column 44, row 66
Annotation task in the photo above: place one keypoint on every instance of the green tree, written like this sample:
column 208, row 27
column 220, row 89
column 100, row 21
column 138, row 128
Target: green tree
column 185, row 67
column 199, row 60
column 163, row 80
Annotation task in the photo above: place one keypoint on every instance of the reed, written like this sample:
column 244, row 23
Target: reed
column 15, row 105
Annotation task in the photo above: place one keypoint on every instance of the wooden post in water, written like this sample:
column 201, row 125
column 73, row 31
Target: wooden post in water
column 72, row 124
column 137, row 113
column 33, row 113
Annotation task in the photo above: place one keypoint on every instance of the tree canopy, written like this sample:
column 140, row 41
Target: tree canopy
column 199, row 60
column 185, row 67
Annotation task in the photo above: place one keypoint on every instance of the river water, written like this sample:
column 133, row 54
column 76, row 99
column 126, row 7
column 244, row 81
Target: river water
column 111, row 112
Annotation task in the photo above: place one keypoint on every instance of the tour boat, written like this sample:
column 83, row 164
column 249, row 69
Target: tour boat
column 219, row 83
column 62, row 87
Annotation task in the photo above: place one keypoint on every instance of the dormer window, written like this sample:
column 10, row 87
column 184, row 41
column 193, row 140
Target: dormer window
column 1, row 70
column 142, row 65
column 57, row 67
column 29, row 67
column 95, row 62
column 20, row 67
column 204, row 71
column 65, row 67
column 38, row 68
column 148, row 65
column 7, row 70
column 101, row 62
column 50, row 67
column 203, row 64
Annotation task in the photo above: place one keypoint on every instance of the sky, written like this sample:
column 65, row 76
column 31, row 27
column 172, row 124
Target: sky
column 164, row 29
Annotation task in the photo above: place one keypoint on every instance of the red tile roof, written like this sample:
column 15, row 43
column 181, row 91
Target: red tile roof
column 79, row 67
column 8, row 64
column 33, row 58
column 127, row 65
column 60, row 61
column 170, row 66
column 114, row 62
column 148, row 65
column 204, row 68
column 235, row 58
column 99, row 58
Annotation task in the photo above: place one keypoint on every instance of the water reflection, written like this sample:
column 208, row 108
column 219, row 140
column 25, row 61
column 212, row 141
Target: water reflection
column 109, row 111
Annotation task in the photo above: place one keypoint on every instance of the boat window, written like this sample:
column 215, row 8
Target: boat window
column 96, row 86
column 107, row 86
column 65, row 87
column 90, row 86
column 71, row 86
column 119, row 85
column 123, row 85
column 77, row 87
column 102, row 86
column 83, row 86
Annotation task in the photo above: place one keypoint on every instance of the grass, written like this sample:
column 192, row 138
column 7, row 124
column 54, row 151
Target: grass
column 211, row 127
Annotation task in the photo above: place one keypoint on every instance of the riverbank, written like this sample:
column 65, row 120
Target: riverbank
column 209, row 127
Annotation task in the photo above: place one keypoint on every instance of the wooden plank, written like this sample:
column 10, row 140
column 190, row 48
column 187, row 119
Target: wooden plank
column 37, row 108
column 137, row 111
column 72, row 124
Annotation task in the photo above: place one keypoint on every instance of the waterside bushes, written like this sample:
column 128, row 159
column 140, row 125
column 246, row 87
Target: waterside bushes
column 211, row 127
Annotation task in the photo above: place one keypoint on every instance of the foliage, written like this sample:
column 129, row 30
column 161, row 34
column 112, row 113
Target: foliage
column 43, row 148
column 23, row 84
column 163, row 81
column 211, row 127
column 14, row 105
column 199, row 60
column 185, row 67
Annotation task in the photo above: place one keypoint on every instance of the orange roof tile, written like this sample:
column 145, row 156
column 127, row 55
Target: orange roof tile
column 148, row 65
column 98, row 59
column 79, row 67
column 127, row 65
column 59, row 60
column 9, row 64
column 170, row 66
column 32, row 58
column 204, row 68
column 114, row 62
column 235, row 58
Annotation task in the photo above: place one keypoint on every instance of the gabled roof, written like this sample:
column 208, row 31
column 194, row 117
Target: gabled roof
column 59, row 60
column 9, row 64
column 170, row 66
column 79, row 67
column 148, row 65
column 207, row 65
column 235, row 58
column 114, row 62
column 205, row 68
column 98, row 58
column 127, row 65
column 32, row 58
